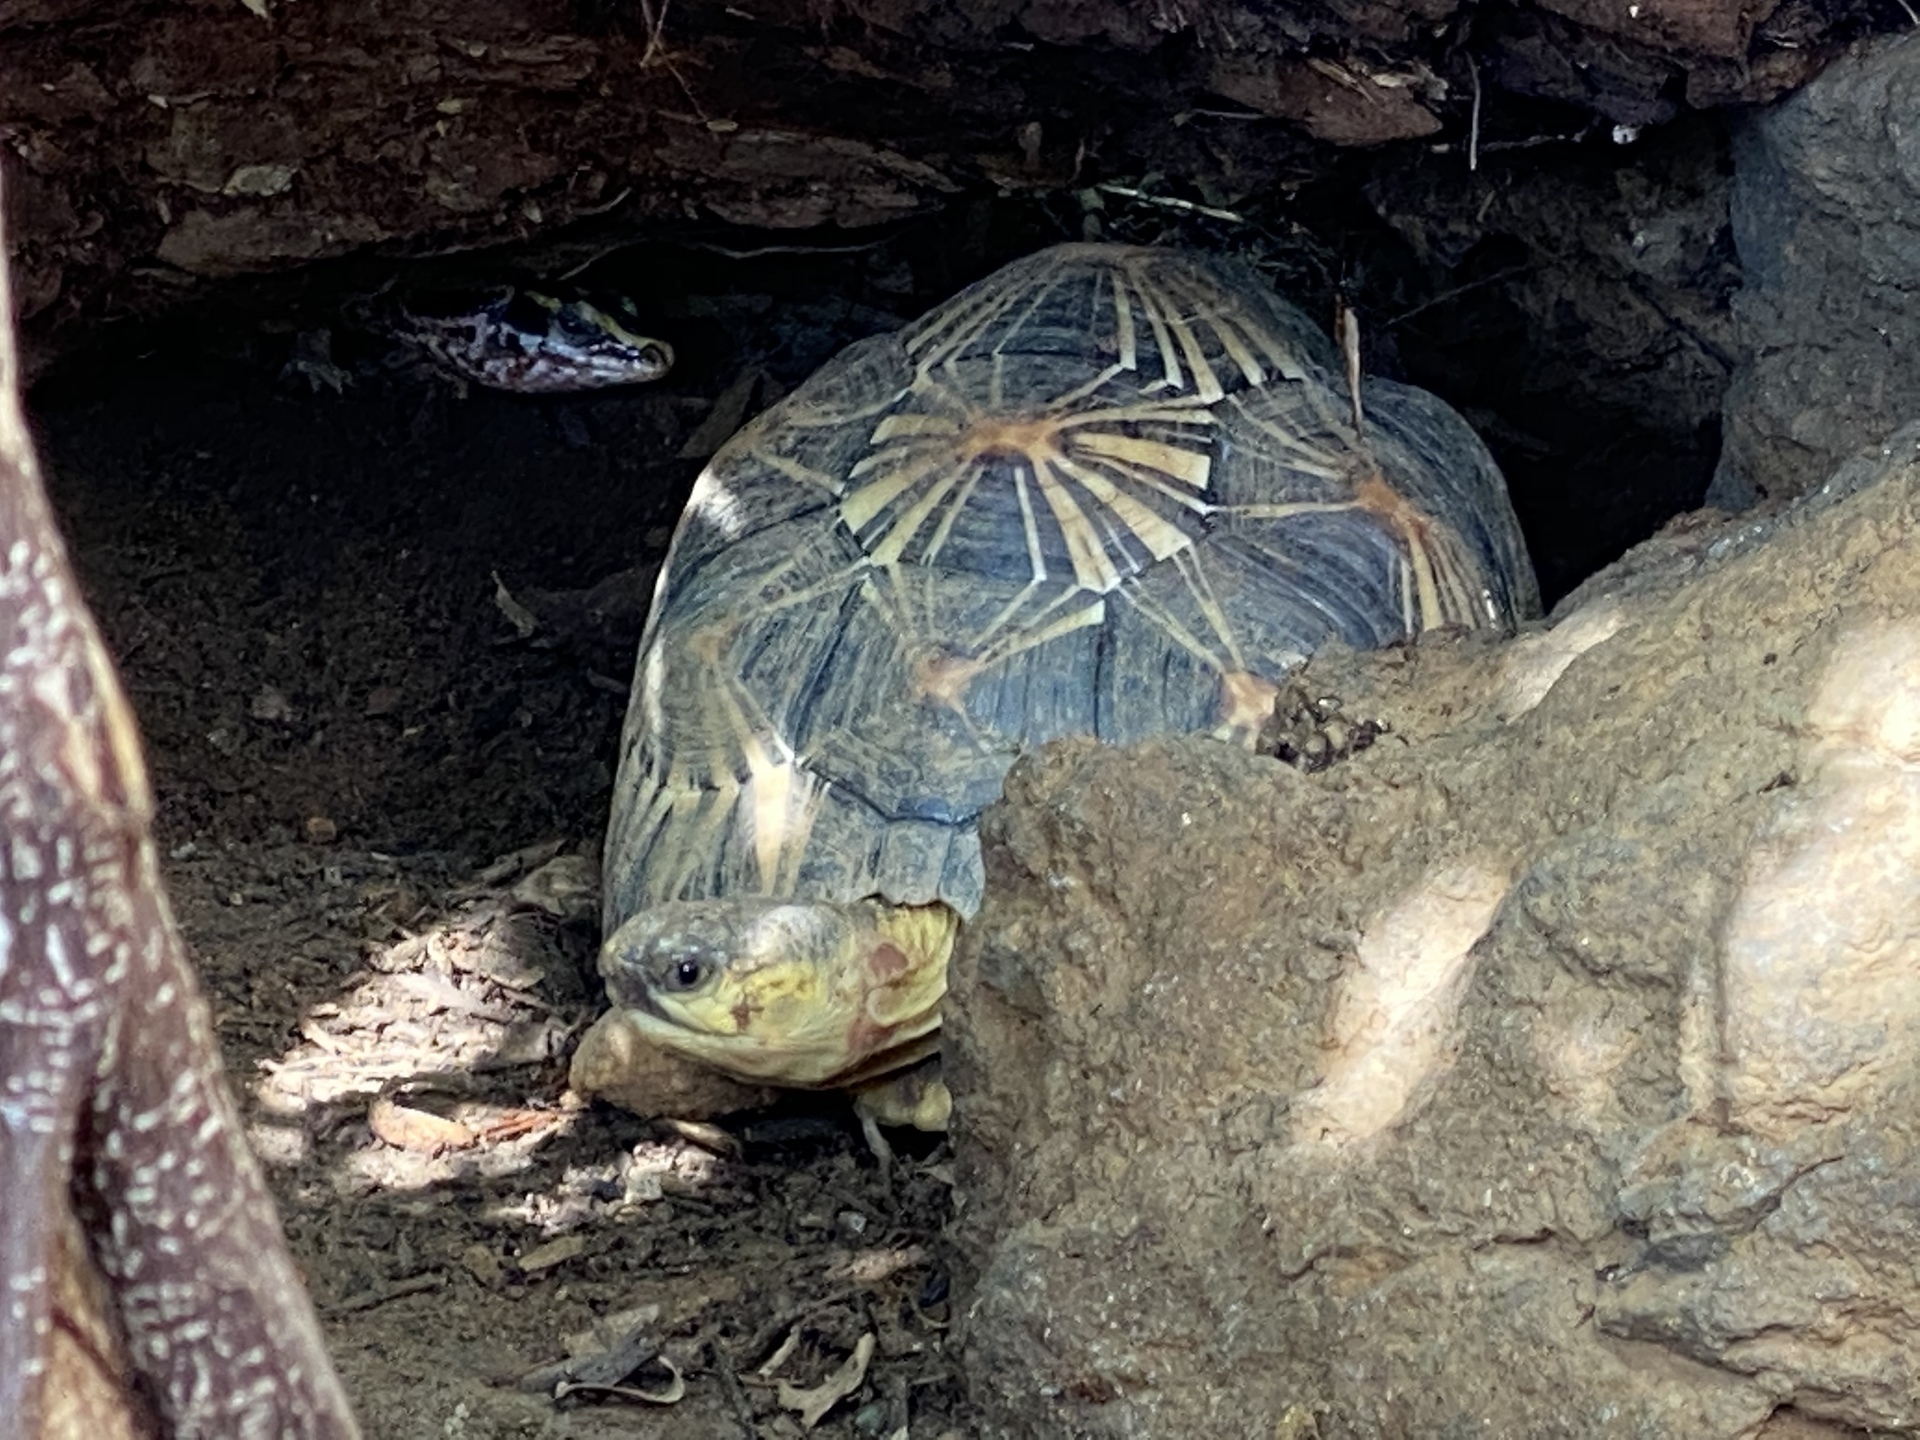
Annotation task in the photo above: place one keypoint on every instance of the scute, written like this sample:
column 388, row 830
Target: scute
column 1106, row 491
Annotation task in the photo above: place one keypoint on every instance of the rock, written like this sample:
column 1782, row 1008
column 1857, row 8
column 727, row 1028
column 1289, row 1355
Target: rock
column 618, row 1064
column 1826, row 215
column 1552, row 1074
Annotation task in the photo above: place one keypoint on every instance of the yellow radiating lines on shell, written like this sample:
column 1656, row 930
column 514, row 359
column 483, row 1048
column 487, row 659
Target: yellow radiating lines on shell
column 889, row 550
column 914, row 423
column 785, row 801
column 1190, row 467
column 657, row 797
column 1237, row 351
column 1161, row 537
column 1092, row 613
column 965, row 323
column 1201, row 588
column 985, row 643
column 793, row 470
column 1297, row 451
column 894, row 479
column 1162, row 619
column 699, row 818
column 1171, row 375
column 1036, row 554
column 1236, row 332
column 1092, row 568
column 1066, row 405
column 1123, row 322
column 1206, row 384
column 1446, row 580
column 767, row 795
column 961, row 498
column 1036, row 565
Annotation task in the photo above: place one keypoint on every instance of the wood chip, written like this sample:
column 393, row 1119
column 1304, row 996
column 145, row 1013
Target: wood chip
column 780, row 1356
column 554, row 1252
column 708, row 1137
column 870, row 1267
column 483, row 1265
column 813, row 1404
column 408, row 1129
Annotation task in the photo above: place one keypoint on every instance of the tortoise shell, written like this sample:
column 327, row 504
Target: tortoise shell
column 1106, row 491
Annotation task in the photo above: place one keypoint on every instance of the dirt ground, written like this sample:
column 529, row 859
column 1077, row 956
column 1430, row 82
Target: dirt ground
column 379, row 693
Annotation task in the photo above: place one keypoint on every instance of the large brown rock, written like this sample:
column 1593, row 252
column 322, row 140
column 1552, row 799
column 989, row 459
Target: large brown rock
column 1547, row 1068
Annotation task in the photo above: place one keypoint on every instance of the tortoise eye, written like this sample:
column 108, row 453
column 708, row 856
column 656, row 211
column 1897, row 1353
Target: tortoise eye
column 687, row 973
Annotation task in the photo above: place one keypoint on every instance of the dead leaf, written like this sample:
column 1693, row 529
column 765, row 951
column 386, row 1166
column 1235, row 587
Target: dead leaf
column 870, row 1267
column 566, row 887
column 813, row 1404
column 408, row 1129
column 522, row 619
column 708, row 1137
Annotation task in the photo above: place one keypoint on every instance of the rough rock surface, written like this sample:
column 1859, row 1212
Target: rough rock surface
column 1546, row 1068
column 1826, row 215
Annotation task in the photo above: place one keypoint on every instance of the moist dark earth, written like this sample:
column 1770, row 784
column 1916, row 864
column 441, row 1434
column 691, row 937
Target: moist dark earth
column 379, row 641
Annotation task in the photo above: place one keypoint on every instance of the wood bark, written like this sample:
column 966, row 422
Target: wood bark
column 145, row 1287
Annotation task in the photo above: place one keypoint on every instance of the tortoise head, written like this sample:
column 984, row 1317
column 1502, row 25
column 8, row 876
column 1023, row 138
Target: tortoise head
column 788, row 993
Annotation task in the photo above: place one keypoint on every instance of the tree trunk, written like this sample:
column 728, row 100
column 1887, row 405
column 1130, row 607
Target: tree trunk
column 148, row 1289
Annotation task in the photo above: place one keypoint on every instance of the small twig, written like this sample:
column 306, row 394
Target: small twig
column 656, row 30
column 1348, row 321
column 776, row 1326
column 771, row 1365
column 675, row 1392
column 736, row 1393
column 1455, row 293
column 1912, row 18
column 1127, row 192
column 1490, row 147
column 657, row 53
column 1473, row 126
column 761, row 250
column 400, row 1289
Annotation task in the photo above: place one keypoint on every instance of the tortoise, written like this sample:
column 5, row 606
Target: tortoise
column 1107, row 491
